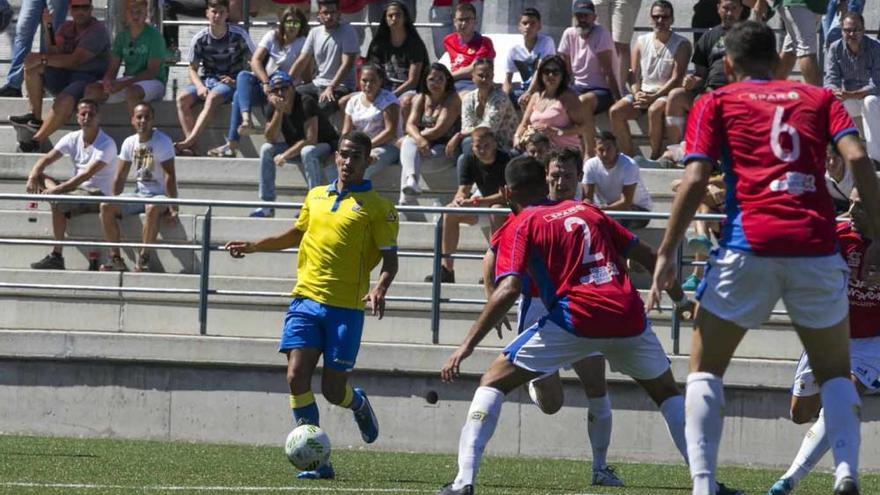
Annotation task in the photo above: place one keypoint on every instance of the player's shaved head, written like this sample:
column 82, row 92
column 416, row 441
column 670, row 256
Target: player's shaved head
column 526, row 181
column 751, row 48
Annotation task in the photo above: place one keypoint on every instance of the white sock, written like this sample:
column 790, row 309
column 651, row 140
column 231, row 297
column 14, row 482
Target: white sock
column 599, row 429
column 814, row 446
column 842, row 407
column 476, row 432
column 673, row 412
column 704, row 404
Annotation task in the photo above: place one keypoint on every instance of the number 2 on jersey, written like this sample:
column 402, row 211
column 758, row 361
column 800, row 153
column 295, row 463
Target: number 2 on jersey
column 573, row 222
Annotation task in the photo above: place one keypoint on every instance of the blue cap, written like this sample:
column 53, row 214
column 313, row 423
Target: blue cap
column 280, row 79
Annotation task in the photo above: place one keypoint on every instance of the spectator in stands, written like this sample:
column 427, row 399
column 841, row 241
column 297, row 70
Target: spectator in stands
column 838, row 180
column 524, row 58
column 151, row 152
column 94, row 166
column 465, row 46
column 375, row 111
column 276, row 51
column 432, row 123
column 400, row 51
column 834, row 16
column 800, row 18
column 442, row 12
column 485, row 106
column 297, row 127
column 706, row 16
column 141, row 48
column 79, row 56
column 708, row 73
column 30, row 14
column 480, row 181
column 701, row 242
column 333, row 48
column 538, row 147
column 555, row 110
column 619, row 17
column 222, row 50
column 612, row 181
column 659, row 64
column 852, row 72
column 6, row 14
column 589, row 53
column 376, row 11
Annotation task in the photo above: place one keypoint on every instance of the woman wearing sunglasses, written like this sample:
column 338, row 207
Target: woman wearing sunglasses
column 278, row 49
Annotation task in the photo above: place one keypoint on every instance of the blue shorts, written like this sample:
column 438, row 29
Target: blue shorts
column 72, row 82
column 214, row 86
column 605, row 100
column 335, row 331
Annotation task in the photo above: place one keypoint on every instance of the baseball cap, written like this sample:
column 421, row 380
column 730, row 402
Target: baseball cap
column 583, row 7
column 279, row 79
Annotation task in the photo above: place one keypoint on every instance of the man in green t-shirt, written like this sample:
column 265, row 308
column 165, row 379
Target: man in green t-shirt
column 141, row 49
column 800, row 18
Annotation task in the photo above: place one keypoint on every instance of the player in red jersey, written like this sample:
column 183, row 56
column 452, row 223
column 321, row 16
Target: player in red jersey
column 571, row 252
column 778, row 240
column 864, row 347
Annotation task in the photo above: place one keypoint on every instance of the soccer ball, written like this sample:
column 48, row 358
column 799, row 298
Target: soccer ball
column 307, row 447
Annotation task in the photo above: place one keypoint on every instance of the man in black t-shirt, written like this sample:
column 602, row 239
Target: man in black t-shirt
column 708, row 73
column 484, row 171
column 297, row 127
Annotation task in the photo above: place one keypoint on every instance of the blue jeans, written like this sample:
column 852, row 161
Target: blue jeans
column 268, row 152
column 313, row 162
column 831, row 22
column 248, row 92
column 29, row 19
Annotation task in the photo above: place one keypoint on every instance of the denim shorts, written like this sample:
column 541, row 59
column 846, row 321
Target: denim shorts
column 214, row 86
column 72, row 82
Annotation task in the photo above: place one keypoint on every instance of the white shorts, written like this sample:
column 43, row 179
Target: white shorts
column 619, row 17
column 530, row 312
column 545, row 348
column 743, row 288
column 864, row 356
column 800, row 25
column 153, row 90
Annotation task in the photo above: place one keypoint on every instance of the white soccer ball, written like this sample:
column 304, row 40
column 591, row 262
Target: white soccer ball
column 307, row 447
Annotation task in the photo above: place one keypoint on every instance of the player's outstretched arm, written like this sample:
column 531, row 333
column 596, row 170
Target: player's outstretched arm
column 854, row 157
column 502, row 299
column 690, row 194
column 644, row 255
column 376, row 297
column 289, row 239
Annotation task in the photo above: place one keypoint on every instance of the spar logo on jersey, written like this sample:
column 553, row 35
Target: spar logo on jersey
column 564, row 213
column 794, row 183
column 770, row 97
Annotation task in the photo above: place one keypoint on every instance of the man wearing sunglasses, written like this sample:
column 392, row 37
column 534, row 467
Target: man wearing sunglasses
column 79, row 56
column 852, row 72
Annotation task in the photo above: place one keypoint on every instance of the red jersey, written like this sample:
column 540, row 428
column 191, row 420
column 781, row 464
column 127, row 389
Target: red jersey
column 462, row 55
column 528, row 289
column 864, row 299
column 770, row 138
column 571, row 252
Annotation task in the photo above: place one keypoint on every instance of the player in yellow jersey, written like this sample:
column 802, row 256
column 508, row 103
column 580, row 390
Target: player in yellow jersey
column 343, row 231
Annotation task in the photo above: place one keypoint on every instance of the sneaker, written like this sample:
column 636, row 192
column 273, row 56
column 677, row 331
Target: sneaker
column 366, row 419
column 447, row 276
column 605, row 477
column 263, row 213
column 846, row 486
column 691, row 283
column 699, row 244
column 324, row 472
column 723, row 490
column 143, row 263
column 781, row 487
column 10, row 92
column 52, row 261
column 411, row 188
column 643, row 162
column 116, row 264
column 448, row 490
column 27, row 120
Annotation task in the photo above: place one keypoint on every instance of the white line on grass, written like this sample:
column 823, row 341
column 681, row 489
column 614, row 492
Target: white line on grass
column 88, row 486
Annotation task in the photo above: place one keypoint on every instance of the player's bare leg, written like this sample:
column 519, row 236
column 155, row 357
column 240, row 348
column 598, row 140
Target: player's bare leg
column 714, row 341
column 301, row 365
column 482, row 417
column 546, row 392
column 591, row 371
column 829, row 347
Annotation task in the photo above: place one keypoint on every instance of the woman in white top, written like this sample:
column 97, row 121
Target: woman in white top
column 278, row 49
column 375, row 111
column 659, row 63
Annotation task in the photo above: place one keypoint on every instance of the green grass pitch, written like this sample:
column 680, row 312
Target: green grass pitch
column 41, row 465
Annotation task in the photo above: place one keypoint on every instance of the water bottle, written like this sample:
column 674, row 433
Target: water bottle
column 32, row 211
column 93, row 261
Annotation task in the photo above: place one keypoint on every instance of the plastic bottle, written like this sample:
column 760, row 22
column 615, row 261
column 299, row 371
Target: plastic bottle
column 93, row 261
column 32, row 211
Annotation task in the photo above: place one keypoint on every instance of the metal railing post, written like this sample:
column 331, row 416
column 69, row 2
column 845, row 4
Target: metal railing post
column 203, row 275
column 676, row 321
column 435, row 282
column 246, row 15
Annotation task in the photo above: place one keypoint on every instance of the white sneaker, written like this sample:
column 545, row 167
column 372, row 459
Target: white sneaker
column 605, row 477
column 411, row 188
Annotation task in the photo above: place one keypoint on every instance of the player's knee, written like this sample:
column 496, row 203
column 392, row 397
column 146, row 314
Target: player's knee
column 802, row 415
column 550, row 405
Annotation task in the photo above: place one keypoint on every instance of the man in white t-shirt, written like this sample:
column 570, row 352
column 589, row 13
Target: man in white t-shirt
column 152, row 154
column 612, row 181
column 94, row 164
column 524, row 58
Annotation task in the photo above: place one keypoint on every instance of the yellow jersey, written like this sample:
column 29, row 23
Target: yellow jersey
column 344, row 233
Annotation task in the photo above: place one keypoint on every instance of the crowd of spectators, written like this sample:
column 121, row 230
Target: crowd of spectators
column 315, row 84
